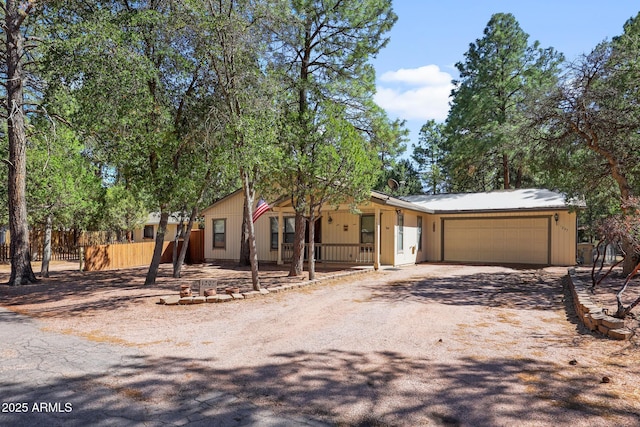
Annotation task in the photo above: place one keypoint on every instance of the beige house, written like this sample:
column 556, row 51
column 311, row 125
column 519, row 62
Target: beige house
column 525, row 226
column 148, row 231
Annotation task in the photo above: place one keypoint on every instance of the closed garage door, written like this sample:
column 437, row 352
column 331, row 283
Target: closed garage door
column 497, row 240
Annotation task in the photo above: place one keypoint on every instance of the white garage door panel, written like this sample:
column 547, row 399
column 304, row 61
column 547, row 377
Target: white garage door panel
column 497, row 240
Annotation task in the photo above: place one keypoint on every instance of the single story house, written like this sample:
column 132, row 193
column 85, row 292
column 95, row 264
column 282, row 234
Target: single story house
column 148, row 231
column 523, row 226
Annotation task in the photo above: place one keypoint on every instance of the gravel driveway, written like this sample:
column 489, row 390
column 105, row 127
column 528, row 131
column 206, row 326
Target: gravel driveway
column 422, row 345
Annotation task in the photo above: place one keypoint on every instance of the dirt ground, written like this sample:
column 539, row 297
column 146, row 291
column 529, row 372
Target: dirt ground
column 431, row 344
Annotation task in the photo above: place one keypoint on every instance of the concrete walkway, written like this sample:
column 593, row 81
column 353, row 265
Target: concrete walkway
column 61, row 380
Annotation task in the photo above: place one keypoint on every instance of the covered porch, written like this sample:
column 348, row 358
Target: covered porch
column 341, row 237
column 337, row 253
column 382, row 231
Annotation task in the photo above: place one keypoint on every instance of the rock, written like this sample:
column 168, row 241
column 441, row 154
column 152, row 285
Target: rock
column 185, row 291
column 170, row 300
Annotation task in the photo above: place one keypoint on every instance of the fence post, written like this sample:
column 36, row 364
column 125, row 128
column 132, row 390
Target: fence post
column 81, row 257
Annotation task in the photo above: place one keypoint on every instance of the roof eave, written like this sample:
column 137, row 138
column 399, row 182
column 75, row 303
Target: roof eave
column 383, row 199
column 505, row 210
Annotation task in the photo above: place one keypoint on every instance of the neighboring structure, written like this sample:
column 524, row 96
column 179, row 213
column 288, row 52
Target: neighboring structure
column 525, row 226
column 150, row 228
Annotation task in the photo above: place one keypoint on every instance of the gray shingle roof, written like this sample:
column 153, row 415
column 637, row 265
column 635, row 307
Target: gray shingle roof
column 506, row 200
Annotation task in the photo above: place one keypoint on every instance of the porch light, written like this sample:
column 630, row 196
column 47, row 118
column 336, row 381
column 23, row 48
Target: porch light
column 330, row 220
column 556, row 217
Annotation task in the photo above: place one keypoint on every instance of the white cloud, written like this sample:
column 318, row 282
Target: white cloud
column 428, row 75
column 415, row 94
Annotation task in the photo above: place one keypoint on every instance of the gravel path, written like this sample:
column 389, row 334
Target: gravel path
column 422, row 345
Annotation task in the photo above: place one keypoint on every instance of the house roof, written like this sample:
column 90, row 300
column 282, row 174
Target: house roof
column 385, row 199
column 505, row 200
column 533, row 199
column 154, row 218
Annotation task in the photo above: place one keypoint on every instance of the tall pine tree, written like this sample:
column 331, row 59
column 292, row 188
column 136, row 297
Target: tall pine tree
column 486, row 151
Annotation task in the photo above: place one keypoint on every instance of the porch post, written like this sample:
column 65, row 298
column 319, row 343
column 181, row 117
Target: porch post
column 280, row 232
column 376, row 240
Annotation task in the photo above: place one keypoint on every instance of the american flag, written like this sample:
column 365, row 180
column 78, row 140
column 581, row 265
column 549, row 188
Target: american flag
column 261, row 208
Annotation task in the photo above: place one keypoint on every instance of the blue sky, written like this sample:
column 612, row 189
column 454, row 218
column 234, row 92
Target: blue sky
column 415, row 70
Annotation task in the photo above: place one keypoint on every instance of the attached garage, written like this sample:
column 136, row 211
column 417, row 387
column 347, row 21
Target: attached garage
column 521, row 240
column 521, row 226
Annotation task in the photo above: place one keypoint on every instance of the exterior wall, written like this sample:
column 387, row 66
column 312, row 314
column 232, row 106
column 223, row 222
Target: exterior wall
column 263, row 238
column 169, row 235
column 345, row 229
column 564, row 238
column 406, row 254
column 229, row 209
column 563, row 233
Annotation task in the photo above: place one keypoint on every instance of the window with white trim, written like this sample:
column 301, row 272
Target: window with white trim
column 274, row 233
column 219, row 233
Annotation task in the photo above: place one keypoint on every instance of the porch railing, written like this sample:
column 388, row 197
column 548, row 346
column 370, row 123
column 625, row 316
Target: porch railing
column 347, row 253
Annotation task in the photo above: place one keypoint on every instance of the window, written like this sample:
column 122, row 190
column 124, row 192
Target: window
column 289, row 229
column 400, row 232
column 274, row 233
column 367, row 228
column 219, row 233
column 419, row 233
column 148, row 232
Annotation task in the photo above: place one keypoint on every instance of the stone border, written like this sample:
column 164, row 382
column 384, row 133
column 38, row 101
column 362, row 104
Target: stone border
column 591, row 315
column 218, row 298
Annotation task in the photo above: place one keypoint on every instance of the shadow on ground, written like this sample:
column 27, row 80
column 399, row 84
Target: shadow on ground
column 79, row 292
column 338, row 387
column 531, row 289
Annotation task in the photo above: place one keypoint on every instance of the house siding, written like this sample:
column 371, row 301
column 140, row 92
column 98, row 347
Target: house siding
column 169, row 234
column 345, row 229
column 562, row 234
column 229, row 209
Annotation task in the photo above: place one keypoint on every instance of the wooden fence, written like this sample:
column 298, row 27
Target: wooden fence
column 58, row 253
column 111, row 257
column 116, row 255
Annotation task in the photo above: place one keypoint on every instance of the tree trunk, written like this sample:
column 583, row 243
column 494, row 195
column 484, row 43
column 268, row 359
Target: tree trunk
column 21, row 271
column 177, row 268
column 157, row 250
column 249, row 196
column 622, row 310
column 297, row 260
column 505, row 171
column 630, row 258
column 176, row 243
column 312, row 246
column 46, row 248
column 245, row 252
